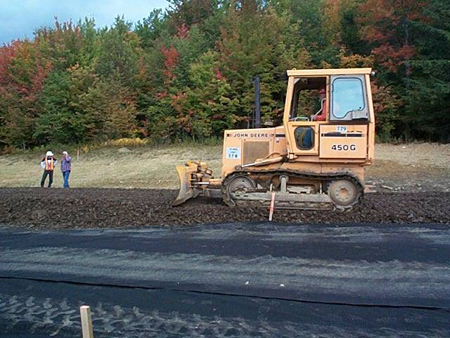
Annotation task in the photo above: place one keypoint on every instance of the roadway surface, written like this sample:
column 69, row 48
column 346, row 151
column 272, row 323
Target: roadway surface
column 230, row 280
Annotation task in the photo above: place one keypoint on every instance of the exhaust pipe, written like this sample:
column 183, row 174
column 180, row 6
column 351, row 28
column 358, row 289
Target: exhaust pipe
column 257, row 83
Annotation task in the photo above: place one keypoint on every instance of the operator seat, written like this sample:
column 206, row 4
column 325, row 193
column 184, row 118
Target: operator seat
column 321, row 115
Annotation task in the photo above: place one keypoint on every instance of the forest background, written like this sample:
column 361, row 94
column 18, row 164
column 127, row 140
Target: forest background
column 186, row 72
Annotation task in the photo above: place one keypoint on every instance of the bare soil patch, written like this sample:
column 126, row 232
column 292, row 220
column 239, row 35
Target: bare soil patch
column 39, row 208
column 415, row 167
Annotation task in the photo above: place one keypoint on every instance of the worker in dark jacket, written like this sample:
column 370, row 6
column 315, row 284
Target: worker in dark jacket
column 66, row 166
column 48, row 163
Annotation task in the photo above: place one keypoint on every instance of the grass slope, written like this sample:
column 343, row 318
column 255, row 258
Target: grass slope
column 411, row 167
column 141, row 167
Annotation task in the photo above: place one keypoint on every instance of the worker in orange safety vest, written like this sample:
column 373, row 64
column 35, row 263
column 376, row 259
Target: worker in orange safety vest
column 48, row 163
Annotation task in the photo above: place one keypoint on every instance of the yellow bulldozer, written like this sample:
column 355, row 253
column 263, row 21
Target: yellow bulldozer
column 314, row 161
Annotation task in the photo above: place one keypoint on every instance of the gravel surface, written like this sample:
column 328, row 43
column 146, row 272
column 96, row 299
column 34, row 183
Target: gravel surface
column 120, row 208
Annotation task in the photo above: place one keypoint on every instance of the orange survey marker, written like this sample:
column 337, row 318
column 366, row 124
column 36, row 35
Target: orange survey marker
column 272, row 206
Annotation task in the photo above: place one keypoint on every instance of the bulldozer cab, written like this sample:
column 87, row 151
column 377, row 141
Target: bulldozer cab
column 329, row 114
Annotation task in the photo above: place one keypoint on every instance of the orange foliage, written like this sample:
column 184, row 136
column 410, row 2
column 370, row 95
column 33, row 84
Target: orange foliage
column 170, row 61
column 182, row 31
column 385, row 24
column 392, row 57
column 22, row 69
column 355, row 60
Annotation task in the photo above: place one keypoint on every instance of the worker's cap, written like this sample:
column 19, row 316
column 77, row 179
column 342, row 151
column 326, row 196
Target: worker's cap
column 65, row 153
column 49, row 153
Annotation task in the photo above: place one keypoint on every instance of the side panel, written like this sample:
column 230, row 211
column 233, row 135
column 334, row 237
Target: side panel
column 247, row 145
column 254, row 150
column 343, row 141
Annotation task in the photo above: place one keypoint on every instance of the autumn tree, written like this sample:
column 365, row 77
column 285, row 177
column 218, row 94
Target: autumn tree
column 119, row 52
column 256, row 41
column 22, row 74
column 386, row 24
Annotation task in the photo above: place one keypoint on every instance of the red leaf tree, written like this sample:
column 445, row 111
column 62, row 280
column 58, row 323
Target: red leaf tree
column 386, row 24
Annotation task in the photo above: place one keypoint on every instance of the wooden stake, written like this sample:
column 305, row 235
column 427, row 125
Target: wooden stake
column 86, row 322
column 272, row 206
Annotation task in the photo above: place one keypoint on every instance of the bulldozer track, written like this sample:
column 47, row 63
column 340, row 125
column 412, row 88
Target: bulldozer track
column 324, row 177
column 60, row 317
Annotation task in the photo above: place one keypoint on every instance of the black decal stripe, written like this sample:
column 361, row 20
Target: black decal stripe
column 280, row 135
column 341, row 135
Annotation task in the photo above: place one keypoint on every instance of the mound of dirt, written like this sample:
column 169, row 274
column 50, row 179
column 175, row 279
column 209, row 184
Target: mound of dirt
column 42, row 208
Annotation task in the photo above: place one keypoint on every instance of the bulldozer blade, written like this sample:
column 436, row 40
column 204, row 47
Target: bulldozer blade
column 186, row 190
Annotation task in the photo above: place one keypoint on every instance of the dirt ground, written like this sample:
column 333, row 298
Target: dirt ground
column 411, row 184
column 411, row 167
column 115, row 208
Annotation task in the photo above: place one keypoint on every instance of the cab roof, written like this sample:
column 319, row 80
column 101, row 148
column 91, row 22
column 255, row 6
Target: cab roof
column 326, row 72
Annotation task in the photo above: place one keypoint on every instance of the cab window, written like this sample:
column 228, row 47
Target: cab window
column 348, row 99
column 304, row 137
column 308, row 99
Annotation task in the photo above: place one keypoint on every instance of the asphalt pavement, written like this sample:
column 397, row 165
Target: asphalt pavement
column 228, row 280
